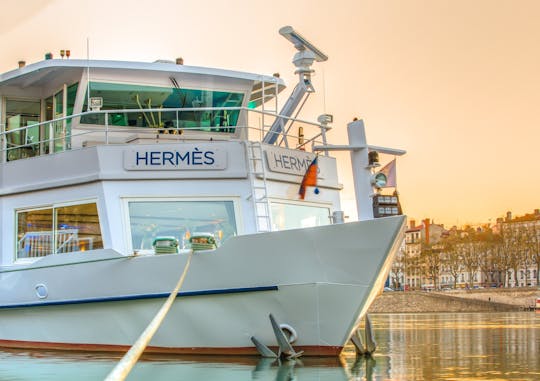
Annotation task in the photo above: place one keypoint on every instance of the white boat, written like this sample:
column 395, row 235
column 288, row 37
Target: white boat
column 103, row 202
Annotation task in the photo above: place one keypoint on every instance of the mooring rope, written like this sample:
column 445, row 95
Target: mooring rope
column 124, row 366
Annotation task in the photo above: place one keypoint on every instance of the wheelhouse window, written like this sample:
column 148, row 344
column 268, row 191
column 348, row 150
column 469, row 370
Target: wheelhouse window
column 180, row 220
column 22, row 113
column 291, row 216
column 58, row 229
column 118, row 96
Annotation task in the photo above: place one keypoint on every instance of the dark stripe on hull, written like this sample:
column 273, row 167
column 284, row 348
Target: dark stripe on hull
column 141, row 297
column 309, row 350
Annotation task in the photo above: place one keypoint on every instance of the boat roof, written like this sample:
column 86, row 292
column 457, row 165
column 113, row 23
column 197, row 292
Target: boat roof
column 40, row 73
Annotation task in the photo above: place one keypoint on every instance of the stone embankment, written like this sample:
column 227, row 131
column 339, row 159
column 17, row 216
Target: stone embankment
column 483, row 300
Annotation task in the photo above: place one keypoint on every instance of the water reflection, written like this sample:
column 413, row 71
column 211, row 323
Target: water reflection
column 500, row 346
column 451, row 346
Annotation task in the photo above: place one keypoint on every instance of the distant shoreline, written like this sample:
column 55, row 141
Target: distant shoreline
column 482, row 300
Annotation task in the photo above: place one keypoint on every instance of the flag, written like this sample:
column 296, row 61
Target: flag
column 390, row 171
column 310, row 178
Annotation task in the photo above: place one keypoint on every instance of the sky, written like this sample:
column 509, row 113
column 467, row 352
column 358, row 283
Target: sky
column 455, row 83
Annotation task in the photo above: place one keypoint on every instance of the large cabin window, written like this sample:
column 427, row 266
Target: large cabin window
column 291, row 216
column 151, row 220
column 118, row 96
column 58, row 229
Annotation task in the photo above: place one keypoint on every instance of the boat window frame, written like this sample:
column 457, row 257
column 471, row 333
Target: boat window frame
column 3, row 118
column 80, row 107
column 125, row 200
column 320, row 204
column 52, row 206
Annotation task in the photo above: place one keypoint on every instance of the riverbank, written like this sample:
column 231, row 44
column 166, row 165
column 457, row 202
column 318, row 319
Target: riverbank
column 483, row 300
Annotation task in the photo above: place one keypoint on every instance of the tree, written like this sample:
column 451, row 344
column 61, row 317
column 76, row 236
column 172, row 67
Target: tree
column 431, row 263
column 451, row 258
column 532, row 243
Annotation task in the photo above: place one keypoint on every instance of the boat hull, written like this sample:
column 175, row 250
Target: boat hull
column 320, row 281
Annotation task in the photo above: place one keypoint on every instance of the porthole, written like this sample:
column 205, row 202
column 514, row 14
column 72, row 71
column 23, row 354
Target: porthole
column 41, row 291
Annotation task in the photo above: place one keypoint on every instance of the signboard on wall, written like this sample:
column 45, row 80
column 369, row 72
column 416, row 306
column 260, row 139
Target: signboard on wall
column 292, row 162
column 171, row 158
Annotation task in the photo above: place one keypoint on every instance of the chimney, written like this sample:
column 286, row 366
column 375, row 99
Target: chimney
column 179, row 61
column 508, row 216
column 22, row 64
column 413, row 224
column 426, row 229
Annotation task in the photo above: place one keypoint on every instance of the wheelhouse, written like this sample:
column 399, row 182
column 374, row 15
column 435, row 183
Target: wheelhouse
column 148, row 158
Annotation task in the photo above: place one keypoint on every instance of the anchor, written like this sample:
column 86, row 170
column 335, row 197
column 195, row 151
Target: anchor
column 370, row 345
column 284, row 342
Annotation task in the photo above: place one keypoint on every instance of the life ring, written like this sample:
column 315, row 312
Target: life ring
column 289, row 332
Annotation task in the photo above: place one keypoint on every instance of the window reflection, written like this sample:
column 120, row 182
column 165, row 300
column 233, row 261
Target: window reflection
column 77, row 228
column 292, row 216
column 117, row 96
column 180, row 220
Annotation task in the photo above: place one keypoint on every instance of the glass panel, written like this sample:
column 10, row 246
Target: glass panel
column 77, row 228
column 22, row 113
column 179, row 219
column 118, row 96
column 292, row 216
column 71, row 94
column 34, row 233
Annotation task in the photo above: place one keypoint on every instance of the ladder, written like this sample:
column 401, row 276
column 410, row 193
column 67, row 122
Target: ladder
column 259, row 191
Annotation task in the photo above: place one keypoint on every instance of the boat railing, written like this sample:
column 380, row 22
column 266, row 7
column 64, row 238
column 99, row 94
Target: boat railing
column 72, row 132
column 41, row 243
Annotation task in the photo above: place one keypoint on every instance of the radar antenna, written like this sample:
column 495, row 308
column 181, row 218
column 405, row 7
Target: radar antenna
column 303, row 59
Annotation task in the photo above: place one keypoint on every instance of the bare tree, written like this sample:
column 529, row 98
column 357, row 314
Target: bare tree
column 431, row 263
column 532, row 242
column 452, row 259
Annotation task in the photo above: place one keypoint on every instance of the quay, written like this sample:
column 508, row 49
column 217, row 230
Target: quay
column 482, row 300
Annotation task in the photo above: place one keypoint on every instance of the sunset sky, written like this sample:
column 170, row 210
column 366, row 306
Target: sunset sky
column 456, row 83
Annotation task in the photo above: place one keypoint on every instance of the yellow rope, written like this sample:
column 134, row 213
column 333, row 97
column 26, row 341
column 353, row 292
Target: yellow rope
column 124, row 366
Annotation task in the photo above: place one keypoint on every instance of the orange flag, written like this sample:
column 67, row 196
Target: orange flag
column 310, row 178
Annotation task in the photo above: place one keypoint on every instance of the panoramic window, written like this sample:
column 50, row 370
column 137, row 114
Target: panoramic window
column 180, row 220
column 117, row 96
column 292, row 216
column 58, row 229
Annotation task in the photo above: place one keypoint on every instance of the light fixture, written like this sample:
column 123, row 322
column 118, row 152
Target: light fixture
column 373, row 159
column 379, row 180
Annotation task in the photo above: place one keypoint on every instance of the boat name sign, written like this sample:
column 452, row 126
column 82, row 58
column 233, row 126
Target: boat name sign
column 195, row 158
column 288, row 161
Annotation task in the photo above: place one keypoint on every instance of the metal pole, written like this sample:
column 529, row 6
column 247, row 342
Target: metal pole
column 361, row 172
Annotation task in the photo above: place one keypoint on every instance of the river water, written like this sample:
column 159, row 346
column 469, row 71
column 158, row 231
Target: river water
column 449, row 346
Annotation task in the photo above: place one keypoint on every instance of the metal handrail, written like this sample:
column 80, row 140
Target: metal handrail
column 91, row 128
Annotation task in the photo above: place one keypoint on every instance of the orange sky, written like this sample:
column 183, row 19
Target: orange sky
column 453, row 82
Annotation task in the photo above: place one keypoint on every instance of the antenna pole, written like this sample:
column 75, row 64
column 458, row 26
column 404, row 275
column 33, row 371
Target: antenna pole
column 87, row 74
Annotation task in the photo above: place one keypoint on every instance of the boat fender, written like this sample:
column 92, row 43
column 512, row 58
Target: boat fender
column 289, row 332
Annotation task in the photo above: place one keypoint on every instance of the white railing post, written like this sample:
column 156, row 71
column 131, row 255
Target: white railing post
column 51, row 138
column 106, row 128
